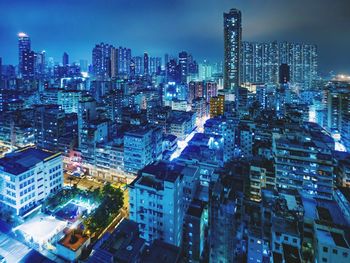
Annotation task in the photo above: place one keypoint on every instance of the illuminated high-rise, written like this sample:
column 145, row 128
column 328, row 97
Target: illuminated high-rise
column 123, row 61
column 101, row 60
column 145, row 64
column 233, row 42
column 23, row 46
column 183, row 64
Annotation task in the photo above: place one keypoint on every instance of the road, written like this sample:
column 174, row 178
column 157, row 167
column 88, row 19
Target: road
column 82, row 183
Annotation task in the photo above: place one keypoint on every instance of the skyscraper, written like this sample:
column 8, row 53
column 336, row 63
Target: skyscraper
column 183, row 64
column 101, row 60
column 123, row 61
column 284, row 74
column 138, row 65
column 114, row 64
column 145, row 64
column 28, row 64
column 65, row 59
column 23, row 46
column 40, row 64
column 232, row 42
column 0, row 73
column 259, row 62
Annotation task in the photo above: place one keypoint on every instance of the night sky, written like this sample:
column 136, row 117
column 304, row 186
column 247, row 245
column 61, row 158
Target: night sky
column 169, row 26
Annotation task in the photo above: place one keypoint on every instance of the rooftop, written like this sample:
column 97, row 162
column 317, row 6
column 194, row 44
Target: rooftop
column 22, row 160
column 161, row 252
column 163, row 171
column 41, row 228
column 124, row 244
column 80, row 240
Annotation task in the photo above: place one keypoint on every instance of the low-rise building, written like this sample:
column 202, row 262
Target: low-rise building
column 27, row 177
column 181, row 123
column 142, row 146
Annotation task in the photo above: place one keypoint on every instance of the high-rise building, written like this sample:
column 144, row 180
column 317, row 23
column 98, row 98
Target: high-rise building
column 303, row 161
column 172, row 71
column 123, row 62
column 284, row 74
column 259, row 62
column 222, row 222
column 302, row 60
column 23, row 46
column 227, row 128
column 233, row 42
column 28, row 64
column 183, row 64
column 196, row 90
column 83, row 65
column 101, row 61
column 138, row 65
column 205, row 71
column 49, row 123
column 0, row 73
column 194, row 229
column 65, row 59
column 156, row 202
column 86, row 114
column 211, row 90
column 142, row 146
column 40, row 64
column 336, row 106
column 114, row 62
column 155, row 65
column 145, row 64
column 217, row 106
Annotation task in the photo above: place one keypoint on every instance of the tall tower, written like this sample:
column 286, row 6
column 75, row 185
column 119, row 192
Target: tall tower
column 65, row 59
column 101, row 61
column 232, row 41
column 183, row 63
column 145, row 64
column 23, row 47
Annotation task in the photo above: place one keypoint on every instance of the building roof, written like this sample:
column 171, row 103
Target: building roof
column 81, row 240
column 22, row 160
column 164, row 171
column 34, row 256
column 161, row 252
column 124, row 244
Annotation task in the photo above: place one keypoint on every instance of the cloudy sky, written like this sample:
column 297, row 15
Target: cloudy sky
column 169, row 26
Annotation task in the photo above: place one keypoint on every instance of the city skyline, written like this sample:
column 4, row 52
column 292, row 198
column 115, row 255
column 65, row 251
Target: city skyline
column 174, row 131
column 259, row 23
